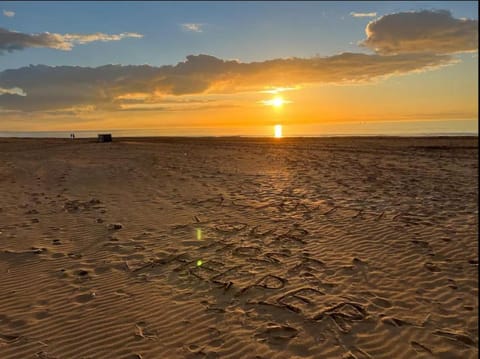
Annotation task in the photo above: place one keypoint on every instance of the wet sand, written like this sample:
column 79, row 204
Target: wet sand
column 239, row 248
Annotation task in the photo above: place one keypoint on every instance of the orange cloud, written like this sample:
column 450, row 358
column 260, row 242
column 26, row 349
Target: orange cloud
column 51, row 88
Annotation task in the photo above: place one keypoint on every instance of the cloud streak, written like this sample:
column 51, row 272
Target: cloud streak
column 363, row 14
column 14, row 41
column 8, row 13
column 12, row 91
column 424, row 31
column 192, row 27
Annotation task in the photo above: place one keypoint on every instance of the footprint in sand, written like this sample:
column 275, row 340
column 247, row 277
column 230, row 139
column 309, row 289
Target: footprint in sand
column 134, row 356
column 213, row 332
column 356, row 353
column 19, row 323
column 381, row 302
column 44, row 355
column 42, row 315
column 432, row 267
column 458, row 337
column 82, row 274
column 344, row 315
column 101, row 269
column 37, row 250
column 246, row 251
column 115, row 226
column 9, row 338
column 308, row 265
column 394, row 322
column 201, row 354
column 230, row 227
column 143, row 331
column 276, row 334
column 420, row 348
column 74, row 255
column 85, row 298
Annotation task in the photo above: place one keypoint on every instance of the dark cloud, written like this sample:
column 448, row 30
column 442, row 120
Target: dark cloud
column 424, row 31
column 12, row 40
column 404, row 43
column 50, row 88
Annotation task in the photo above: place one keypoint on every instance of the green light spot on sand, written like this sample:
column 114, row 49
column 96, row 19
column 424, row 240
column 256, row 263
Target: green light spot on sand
column 199, row 234
column 199, row 263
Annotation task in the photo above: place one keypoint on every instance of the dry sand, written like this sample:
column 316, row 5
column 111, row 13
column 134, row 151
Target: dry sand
column 320, row 248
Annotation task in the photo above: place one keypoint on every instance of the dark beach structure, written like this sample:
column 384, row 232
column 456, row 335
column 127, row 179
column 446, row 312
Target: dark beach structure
column 105, row 137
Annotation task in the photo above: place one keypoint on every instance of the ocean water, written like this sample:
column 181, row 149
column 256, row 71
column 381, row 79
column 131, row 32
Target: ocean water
column 373, row 128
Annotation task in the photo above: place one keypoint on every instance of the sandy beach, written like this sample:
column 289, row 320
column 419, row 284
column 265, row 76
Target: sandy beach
column 239, row 248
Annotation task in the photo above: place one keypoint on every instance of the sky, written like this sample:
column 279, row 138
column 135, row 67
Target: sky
column 239, row 68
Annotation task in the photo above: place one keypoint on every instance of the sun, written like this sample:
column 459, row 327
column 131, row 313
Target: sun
column 278, row 131
column 277, row 102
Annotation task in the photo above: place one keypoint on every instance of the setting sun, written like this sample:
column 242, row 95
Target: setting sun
column 278, row 131
column 277, row 102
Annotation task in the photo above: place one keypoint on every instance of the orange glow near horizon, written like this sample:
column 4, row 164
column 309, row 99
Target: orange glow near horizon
column 309, row 110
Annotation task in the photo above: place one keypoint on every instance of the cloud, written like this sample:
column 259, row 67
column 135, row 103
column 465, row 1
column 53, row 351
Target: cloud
column 8, row 13
column 277, row 90
column 12, row 91
column 85, row 39
column 363, row 14
column 111, row 86
column 12, row 40
column 192, row 27
column 404, row 43
column 424, row 31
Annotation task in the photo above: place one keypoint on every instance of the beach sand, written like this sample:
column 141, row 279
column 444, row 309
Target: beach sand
column 239, row 248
